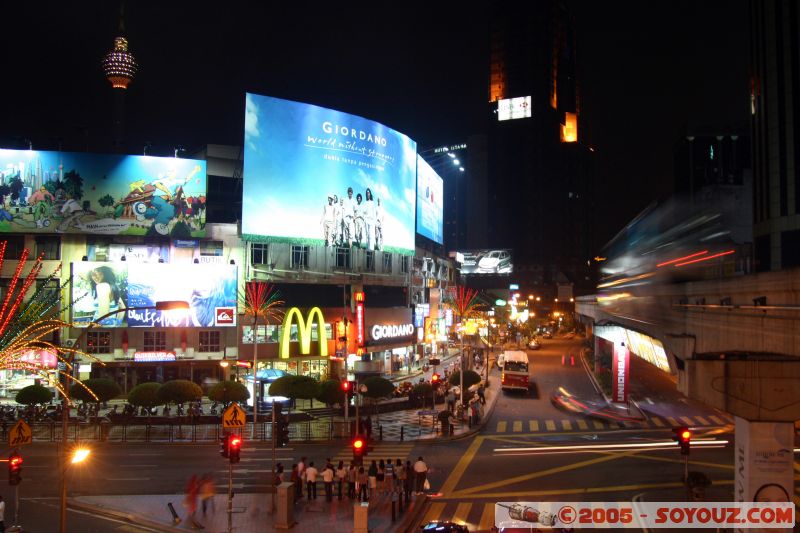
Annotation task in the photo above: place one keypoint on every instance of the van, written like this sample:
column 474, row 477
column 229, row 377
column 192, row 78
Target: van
column 516, row 370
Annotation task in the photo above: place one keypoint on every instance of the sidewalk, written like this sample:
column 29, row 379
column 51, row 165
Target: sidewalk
column 249, row 513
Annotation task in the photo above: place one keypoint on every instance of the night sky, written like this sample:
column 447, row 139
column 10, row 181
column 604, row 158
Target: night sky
column 647, row 71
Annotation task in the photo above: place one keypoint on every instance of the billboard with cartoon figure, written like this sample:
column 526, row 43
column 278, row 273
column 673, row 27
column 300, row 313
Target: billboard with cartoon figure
column 99, row 289
column 325, row 178
column 66, row 192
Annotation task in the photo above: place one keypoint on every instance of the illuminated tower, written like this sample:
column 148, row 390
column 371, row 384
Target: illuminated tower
column 120, row 68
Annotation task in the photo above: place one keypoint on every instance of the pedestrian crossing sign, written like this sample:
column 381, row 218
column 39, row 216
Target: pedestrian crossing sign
column 20, row 434
column 233, row 417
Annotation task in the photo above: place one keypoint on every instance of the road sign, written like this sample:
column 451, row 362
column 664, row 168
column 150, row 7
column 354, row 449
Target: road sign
column 20, row 434
column 233, row 417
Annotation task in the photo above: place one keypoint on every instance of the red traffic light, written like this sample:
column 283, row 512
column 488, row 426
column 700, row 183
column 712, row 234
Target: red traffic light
column 686, row 434
column 236, row 442
column 346, row 386
column 358, row 444
column 15, row 461
column 435, row 378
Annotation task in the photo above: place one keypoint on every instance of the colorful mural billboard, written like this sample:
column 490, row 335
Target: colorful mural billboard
column 100, row 288
column 325, row 178
column 66, row 192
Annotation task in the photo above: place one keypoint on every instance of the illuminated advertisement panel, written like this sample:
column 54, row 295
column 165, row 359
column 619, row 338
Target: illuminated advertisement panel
column 99, row 289
column 485, row 262
column 321, row 177
column 513, row 108
column 66, row 192
column 430, row 202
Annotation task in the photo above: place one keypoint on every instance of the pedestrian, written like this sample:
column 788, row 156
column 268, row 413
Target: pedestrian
column 409, row 479
column 327, row 480
column 388, row 472
column 381, row 477
column 2, row 515
column 301, row 476
column 278, row 474
column 451, row 399
column 352, row 474
column 190, row 502
column 341, row 475
column 361, row 484
column 207, row 492
column 399, row 476
column 373, row 477
column 421, row 475
column 298, row 484
column 481, row 394
column 311, row 481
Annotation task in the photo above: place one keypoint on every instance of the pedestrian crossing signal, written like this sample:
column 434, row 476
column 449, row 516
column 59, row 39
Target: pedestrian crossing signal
column 223, row 446
column 14, row 469
column 684, row 438
column 234, row 448
column 281, row 432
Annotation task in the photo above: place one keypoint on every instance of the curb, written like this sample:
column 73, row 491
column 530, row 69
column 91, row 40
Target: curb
column 119, row 515
column 475, row 429
column 421, row 503
column 593, row 379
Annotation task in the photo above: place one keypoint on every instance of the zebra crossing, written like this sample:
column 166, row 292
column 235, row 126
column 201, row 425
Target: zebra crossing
column 382, row 450
column 477, row 516
column 567, row 424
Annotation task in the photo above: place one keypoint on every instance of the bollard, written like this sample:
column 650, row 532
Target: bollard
column 401, row 433
column 400, row 498
column 380, row 431
column 175, row 518
column 394, row 511
column 572, row 360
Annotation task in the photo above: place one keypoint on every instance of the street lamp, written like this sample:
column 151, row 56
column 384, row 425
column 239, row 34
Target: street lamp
column 78, row 456
column 167, row 305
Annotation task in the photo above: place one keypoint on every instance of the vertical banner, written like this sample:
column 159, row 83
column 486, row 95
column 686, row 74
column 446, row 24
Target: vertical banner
column 764, row 459
column 620, row 370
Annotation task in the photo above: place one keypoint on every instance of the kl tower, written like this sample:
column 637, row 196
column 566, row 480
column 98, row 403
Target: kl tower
column 120, row 68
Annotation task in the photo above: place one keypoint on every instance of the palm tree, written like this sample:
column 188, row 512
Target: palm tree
column 465, row 303
column 260, row 301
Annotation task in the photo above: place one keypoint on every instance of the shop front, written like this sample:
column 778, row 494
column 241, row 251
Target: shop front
column 12, row 379
column 390, row 336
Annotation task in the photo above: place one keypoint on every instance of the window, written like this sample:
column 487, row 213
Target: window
column 370, row 261
column 268, row 333
column 98, row 342
column 50, row 246
column 404, row 264
column 387, row 262
column 209, row 341
column 342, row 257
column 155, row 341
column 211, row 248
column 14, row 246
column 299, row 256
column 258, row 253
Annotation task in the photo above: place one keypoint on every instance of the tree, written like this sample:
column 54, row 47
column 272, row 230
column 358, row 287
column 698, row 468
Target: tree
column 179, row 391
column 226, row 392
column 104, row 389
column 73, row 184
column 295, row 387
column 106, row 201
column 330, row 392
column 16, row 187
column 420, row 394
column 470, row 378
column 378, row 387
column 34, row 395
column 145, row 395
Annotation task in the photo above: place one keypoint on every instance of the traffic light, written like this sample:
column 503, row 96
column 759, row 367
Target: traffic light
column 281, row 432
column 234, row 448
column 223, row 446
column 435, row 379
column 14, row 468
column 684, row 438
column 359, row 448
column 347, row 387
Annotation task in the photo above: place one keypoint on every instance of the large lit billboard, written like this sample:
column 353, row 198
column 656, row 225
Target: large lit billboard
column 485, row 262
column 325, row 178
column 98, row 289
column 513, row 108
column 66, row 192
column 430, row 202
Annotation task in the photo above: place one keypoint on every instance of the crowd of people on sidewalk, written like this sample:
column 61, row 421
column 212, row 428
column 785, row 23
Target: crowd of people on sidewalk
column 356, row 482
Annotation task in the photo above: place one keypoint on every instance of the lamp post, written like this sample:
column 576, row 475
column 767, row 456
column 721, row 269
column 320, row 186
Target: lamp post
column 78, row 456
column 168, row 305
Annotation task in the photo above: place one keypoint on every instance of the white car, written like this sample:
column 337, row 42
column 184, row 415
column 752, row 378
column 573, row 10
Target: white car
column 533, row 344
column 497, row 261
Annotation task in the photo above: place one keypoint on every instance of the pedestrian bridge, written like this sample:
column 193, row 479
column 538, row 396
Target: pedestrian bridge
column 734, row 343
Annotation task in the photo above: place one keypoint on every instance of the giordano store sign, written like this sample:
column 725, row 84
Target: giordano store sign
column 304, row 327
column 389, row 326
